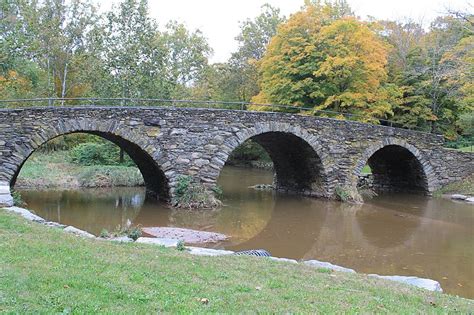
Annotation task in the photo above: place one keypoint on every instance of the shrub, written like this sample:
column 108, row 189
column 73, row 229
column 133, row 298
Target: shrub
column 90, row 153
column 348, row 194
column 247, row 152
column 110, row 176
column 104, row 234
column 194, row 195
column 135, row 232
column 180, row 246
column 97, row 153
column 183, row 185
column 17, row 199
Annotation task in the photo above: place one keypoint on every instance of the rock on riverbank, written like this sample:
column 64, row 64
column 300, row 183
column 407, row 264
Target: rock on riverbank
column 187, row 235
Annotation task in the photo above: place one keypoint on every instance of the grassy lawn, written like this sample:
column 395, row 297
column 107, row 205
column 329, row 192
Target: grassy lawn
column 44, row 270
column 366, row 170
column 467, row 149
column 54, row 170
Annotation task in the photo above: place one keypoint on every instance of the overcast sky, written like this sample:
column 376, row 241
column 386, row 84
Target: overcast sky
column 219, row 19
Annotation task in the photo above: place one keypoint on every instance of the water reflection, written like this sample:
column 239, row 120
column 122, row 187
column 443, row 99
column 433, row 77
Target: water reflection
column 88, row 209
column 392, row 234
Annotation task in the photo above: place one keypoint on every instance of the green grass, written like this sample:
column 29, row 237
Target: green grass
column 366, row 170
column 467, row 149
column 55, row 170
column 44, row 270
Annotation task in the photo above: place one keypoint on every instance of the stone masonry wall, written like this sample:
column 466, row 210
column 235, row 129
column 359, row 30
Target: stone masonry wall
column 169, row 142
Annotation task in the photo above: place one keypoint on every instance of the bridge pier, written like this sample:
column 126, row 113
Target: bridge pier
column 6, row 199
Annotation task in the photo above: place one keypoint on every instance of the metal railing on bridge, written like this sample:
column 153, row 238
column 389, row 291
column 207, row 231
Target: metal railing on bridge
column 173, row 103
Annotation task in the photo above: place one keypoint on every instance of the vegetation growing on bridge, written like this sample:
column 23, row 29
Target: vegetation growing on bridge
column 191, row 195
column 47, row 271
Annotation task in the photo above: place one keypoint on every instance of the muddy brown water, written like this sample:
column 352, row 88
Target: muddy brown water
column 389, row 235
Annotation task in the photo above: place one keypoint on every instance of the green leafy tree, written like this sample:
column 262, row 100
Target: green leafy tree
column 407, row 70
column 133, row 58
column 186, row 60
column 52, row 34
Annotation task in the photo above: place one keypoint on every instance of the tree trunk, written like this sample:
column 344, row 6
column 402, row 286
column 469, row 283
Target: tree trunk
column 122, row 156
column 63, row 86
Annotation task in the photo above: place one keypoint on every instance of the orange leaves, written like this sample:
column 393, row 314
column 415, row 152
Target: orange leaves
column 318, row 58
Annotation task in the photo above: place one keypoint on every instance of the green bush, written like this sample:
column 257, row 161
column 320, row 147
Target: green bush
column 104, row 234
column 97, row 153
column 194, row 195
column 90, row 153
column 109, row 176
column 135, row 233
column 348, row 194
column 180, row 246
column 247, row 152
column 182, row 186
column 17, row 199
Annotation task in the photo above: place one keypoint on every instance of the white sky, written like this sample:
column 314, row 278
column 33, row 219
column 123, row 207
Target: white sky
column 219, row 19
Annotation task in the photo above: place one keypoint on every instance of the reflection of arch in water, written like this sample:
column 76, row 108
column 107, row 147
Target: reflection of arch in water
column 370, row 230
column 398, row 167
column 133, row 144
column 388, row 223
column 294, row 225
column 90, row 209
column 300, row 162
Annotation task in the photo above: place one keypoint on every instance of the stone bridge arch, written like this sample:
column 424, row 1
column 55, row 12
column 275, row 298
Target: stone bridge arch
column 396, row 166
column 146, row 155
column 301, row 164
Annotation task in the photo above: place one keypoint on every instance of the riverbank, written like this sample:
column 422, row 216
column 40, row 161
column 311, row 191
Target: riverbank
column 46, row 270
column 54, row 170
column 465, row 187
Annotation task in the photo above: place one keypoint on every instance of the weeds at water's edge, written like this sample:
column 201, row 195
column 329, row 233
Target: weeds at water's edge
column 17, row 199
column 348, row 194
column 180, row 246
column 133, row 232
column 464, row 186
column 191, row 195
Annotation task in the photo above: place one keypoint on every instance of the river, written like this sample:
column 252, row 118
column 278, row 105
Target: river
column 388, row 235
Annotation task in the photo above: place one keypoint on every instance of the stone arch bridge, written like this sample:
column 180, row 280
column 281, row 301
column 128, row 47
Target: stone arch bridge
column 311, row 155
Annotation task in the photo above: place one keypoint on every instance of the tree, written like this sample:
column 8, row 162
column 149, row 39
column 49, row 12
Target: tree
column 53, row 34
column 446, row 33
column 237, row 80
column 186, row 57
column 132, row 56
column 406, row 70
column 325, row 61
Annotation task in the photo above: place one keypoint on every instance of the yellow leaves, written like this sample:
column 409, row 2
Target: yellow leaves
column 13, row 85
column 332, row 64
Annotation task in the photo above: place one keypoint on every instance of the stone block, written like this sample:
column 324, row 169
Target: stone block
column 26, row 214
column 288, row 260
column 200, row 251
column 4, row 190
column 78, row 232
column 322, row 264
column 166, row 242
column 120, row 239
column 458, row 197
column 428, row 284
column 6, row 200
